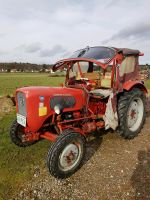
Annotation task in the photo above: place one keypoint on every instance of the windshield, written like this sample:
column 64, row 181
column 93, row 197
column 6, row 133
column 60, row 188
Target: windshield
column 78, row 69
column 81, row 69
column 103, row 54
column 81, row 72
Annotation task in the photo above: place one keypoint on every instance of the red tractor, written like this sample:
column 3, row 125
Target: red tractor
column 102, row 90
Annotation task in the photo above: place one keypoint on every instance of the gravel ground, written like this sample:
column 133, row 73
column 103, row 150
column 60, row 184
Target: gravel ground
column 114, row 169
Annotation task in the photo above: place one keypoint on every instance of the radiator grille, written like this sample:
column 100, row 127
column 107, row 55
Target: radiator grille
column 21, row 100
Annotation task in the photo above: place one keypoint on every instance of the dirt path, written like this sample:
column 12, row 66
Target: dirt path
column 114, row 169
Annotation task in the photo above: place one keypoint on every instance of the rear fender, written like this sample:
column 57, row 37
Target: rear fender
column 135, row 84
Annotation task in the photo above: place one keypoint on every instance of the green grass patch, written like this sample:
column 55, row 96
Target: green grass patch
column 16, row 163
column 147, row 84
column 10, row 81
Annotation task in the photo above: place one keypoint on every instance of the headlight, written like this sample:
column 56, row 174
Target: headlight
column 58, row 109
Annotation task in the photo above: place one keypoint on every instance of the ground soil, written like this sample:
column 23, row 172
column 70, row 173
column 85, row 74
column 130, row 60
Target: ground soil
column 113, row 169
column 6, row 105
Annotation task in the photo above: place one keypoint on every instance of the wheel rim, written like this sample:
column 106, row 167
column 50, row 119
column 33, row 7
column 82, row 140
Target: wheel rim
column 135, row 114
column 70, row 156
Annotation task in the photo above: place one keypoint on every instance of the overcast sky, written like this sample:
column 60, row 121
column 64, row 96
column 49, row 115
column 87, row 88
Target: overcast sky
column 42, row 31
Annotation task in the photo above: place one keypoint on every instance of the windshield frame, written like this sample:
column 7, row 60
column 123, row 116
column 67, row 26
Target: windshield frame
column 58, row 65
column 95, row 52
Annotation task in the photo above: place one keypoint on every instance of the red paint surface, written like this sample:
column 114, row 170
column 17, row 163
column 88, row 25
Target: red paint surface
column 32, row 102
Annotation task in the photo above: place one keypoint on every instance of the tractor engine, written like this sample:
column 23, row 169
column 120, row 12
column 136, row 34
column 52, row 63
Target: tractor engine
column 71, row 115
column 97, row 106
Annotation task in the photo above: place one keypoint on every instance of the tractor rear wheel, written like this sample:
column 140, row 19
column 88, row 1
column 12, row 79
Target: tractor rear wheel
column 131, row 113
column 66, row 154
column 17, row 133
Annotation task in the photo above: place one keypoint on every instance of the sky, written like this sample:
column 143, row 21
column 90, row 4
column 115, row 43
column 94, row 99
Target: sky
column 44, row 31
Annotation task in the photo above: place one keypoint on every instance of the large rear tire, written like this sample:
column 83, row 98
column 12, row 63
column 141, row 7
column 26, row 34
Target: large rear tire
column 16, row 135
column 66, row 154
column 131, row 113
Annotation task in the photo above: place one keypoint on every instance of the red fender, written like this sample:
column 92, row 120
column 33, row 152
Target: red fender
column 129, row 85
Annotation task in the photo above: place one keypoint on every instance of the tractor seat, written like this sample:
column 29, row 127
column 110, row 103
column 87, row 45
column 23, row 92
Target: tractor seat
column 101, row 92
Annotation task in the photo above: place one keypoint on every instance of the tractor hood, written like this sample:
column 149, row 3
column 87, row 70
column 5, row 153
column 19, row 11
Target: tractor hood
column 50, row 91
column 37, row 103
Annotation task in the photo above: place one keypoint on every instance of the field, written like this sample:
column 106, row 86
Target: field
column 19, row 165
column 9, row 82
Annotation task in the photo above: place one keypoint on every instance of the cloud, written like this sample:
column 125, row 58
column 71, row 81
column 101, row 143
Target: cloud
column 32, row 48
column 111, row 3
column 43, row 31
column 57, row 49
column 3, row 52
column 2, row 35
column 29, row 48
column 135, row 32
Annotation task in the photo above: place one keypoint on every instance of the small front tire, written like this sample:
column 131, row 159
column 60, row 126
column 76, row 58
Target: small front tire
column 16, row 135
column 66, row 154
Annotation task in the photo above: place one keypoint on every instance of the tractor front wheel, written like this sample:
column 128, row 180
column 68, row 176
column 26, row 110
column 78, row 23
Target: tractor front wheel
column 17, row 134
column 131, row 113
column 66, row 154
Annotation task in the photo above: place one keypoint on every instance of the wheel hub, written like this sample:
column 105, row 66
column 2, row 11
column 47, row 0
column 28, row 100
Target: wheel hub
column 135, row 114
column 69, row 157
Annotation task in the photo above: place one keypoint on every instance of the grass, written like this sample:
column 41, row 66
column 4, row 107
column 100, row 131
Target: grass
column 17, row 164
column 147, row 84
column 10, row 81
